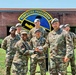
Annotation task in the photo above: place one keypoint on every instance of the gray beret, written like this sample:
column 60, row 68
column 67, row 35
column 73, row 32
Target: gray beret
column 54, row 20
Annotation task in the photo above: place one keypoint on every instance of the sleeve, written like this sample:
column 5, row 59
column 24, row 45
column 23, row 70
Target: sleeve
column 46, row 43
column 31, row 44
column 30, row 34
column 22, row 49
column 69, row 46
column 19, row 47
column 74, row 40
column 4, row 44
column 28, row 51
column 44, row 33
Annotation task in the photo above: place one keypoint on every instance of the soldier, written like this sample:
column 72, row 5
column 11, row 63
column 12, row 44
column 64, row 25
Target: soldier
column 60, row 44
column 73, row 36
column 20, row 61
column 43, row 34
column 19, row 28
column 37, row 43
column 37, row 26
column 8, row 44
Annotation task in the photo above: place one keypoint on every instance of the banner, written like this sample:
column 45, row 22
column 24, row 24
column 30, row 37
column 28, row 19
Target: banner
column 27, row 19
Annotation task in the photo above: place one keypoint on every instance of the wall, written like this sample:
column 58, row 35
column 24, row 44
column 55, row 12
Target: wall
column 10, row 18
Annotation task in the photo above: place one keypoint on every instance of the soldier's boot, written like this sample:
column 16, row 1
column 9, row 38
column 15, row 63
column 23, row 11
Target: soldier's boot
column 8, row 70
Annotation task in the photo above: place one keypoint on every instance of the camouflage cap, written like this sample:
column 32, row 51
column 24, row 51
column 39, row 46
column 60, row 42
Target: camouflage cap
column 37, row 20
column 12, row 28
column 37, row 30
column 67, row 25
column 18, row 25
column 54, row 20
column 23, row 32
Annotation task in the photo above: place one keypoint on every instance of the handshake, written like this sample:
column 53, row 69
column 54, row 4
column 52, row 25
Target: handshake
column 39, row 49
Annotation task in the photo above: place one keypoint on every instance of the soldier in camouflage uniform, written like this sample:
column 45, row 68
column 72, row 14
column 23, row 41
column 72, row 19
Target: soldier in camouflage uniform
column 37, row 26
column 8, row 44
column 19, row 28
column 43, row 34
column 20, row 61
column 60, row 44
column 73, row 36
column 37, row 43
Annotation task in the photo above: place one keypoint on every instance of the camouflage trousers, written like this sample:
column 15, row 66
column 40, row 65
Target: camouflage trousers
column 72, row 63
column 57, row 67
column 8, row 64
column 41, row 62
column 19, row 69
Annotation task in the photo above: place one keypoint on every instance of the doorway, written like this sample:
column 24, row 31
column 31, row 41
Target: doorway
column 8, row 27
column 73, row 29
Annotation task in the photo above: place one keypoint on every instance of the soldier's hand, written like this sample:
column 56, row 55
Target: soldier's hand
column 36, row 49
column 66, row 59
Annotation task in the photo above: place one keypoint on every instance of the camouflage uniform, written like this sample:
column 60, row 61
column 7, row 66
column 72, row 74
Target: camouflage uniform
column 18, row 25
column 43, row 34
column 72, row 60
column 60, row 44
column 39, row 58
column 31, row 32
column 20, row 61
column 8, row 44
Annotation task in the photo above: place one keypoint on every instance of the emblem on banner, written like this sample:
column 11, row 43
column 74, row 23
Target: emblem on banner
column 27, row 19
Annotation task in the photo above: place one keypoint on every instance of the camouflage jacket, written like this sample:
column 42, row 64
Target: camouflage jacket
column 9, row 43
column 23, row 49
column 73, row 36
column 60, row 44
